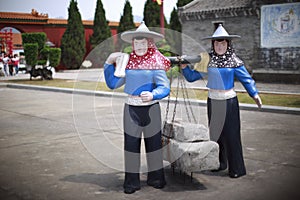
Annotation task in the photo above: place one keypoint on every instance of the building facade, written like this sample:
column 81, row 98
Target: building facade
column 54, row 28
column 270, row 31
column 39, row 22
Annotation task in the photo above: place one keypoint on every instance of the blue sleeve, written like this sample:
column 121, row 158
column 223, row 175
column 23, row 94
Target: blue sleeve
column 191, row 75
column 244, row 77
column 162, row 85
column 111, row 80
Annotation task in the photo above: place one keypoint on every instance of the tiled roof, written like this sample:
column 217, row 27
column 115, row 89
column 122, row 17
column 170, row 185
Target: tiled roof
column 23, row 18
column 16, row 15
column 214, row 5
column 57, row 21
column 28, row 18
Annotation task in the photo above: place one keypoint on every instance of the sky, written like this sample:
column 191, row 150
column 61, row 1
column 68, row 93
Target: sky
column 59, row 8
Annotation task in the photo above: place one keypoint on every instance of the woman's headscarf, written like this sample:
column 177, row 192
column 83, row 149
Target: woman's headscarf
column 229, row 59
column 152, row 60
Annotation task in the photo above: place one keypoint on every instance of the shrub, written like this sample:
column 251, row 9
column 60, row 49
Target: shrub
column 31, row 53
column 54, row 56
column 37, row 37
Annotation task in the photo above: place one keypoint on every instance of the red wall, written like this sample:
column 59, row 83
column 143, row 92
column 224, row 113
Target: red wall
column 54, row 33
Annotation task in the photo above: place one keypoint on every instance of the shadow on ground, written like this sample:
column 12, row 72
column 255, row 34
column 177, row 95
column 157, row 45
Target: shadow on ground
column 176, row 181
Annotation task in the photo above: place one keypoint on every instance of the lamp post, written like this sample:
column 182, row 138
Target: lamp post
column 162, row 19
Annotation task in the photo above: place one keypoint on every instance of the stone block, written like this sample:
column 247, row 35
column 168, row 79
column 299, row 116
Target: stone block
column 186, row 132
column 191, row 156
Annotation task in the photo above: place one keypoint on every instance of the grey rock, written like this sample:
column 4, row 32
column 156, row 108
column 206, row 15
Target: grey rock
column 186, row 132
column 191, row 156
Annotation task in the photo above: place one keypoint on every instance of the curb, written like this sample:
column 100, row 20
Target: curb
column 243, row 106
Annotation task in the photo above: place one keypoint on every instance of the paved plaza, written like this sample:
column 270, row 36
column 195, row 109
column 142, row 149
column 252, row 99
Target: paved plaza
column 61, row 145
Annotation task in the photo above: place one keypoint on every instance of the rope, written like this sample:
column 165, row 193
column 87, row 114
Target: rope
column 187, row 100
column 187, row 103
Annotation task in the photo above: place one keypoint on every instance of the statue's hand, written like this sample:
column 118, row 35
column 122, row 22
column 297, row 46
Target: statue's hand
column 113, row 57
column 257, row 101
column 146, row 96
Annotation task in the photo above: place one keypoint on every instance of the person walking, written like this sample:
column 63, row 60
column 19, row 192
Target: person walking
column 15, row 61
column 222, row 103
column 10, row 65
column 5, row 64
column 143, row 73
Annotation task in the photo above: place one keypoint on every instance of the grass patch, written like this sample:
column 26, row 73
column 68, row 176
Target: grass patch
column 290, row 100
column 287, row 100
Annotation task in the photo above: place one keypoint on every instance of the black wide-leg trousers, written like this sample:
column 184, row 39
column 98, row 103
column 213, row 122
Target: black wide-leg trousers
column 146, row 120
column 224, row 126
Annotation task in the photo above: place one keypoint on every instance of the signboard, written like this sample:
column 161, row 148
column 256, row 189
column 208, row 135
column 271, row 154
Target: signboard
column 280, row 25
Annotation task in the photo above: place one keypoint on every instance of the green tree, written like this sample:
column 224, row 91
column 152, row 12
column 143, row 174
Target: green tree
column 73, row 40
column 126, row 23
column 174, row 38
column 152, row 14
column 101, row 30
column 181, row 3
column 174, row 21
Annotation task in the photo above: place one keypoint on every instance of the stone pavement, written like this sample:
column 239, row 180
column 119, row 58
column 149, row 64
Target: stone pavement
column 63, row 145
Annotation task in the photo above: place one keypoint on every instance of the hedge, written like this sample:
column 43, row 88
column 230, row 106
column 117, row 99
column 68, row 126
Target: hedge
column 31, row 53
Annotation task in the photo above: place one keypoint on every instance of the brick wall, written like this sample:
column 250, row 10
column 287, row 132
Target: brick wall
column 280, row 58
